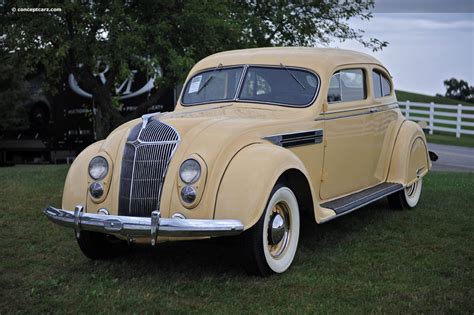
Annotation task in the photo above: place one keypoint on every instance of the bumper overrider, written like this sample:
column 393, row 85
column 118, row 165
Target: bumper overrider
column 137, row 227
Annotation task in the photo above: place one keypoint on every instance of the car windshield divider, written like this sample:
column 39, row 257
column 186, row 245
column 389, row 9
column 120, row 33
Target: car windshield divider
column 218, row 68
column 292, row 75
column 241, row 82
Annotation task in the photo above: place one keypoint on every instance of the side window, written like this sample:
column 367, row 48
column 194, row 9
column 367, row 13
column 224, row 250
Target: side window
column 347, row 85
column 385, row 86
column 377, row 87
column 381, row 84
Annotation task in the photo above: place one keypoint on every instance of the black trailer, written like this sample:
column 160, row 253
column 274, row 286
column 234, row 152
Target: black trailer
column 58, row 126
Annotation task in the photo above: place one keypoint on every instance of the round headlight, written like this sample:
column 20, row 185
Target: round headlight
column 98, row 168
column 190, row 171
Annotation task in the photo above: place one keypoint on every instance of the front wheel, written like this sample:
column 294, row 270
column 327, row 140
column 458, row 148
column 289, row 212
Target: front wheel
column 406, row 198
column 101, row 246
column 270, row 245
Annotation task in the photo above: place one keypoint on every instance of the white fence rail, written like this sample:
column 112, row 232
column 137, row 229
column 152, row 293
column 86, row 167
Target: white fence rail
column 458, row 119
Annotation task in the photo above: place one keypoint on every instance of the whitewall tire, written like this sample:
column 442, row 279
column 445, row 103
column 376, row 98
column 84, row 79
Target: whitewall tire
column 412, row 193
column 270, row 246
column 408, row 197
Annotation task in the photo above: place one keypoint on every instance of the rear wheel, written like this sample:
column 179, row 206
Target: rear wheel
column 406, row 198
column 270, row 245
column 101, row 246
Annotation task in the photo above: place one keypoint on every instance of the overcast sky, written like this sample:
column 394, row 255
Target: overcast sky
column 426, row 44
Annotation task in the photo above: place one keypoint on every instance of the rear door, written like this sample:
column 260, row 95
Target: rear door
column 385, row 119
column 350, row 154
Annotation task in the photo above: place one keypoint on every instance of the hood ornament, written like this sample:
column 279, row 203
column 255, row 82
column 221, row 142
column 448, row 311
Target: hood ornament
column 146, row 118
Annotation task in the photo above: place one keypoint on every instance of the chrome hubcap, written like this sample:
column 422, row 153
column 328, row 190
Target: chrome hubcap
column 278, row 229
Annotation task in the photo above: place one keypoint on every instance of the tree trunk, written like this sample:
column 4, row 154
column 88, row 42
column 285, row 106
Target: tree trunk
column 106, row 117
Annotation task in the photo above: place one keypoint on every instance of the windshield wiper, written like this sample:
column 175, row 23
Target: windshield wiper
column 219, row 67
column 293, row 76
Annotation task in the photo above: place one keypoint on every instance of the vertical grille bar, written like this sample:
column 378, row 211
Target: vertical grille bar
column 146, row 157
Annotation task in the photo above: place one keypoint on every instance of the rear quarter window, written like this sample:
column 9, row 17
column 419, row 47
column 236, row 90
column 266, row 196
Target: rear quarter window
column 380, row 84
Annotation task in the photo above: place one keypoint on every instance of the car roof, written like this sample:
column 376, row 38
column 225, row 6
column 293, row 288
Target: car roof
column 321, row 60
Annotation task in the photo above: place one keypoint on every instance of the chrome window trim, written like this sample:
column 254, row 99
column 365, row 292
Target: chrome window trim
column 244, row 73
column 382, row 75
column 384, row 72
column 241, row 82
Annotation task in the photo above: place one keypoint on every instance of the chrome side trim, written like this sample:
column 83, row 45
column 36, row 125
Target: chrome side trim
column 294, row 139
column 151, row 227
column 352, row 112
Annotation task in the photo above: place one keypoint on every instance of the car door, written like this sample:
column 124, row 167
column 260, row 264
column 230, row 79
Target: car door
column 350, row 155
column 385, row 119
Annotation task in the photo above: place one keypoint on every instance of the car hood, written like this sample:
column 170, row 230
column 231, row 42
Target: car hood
column 210, row 131
column 213, row 131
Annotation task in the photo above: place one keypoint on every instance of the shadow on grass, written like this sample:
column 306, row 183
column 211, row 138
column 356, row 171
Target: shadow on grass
column 221, row 257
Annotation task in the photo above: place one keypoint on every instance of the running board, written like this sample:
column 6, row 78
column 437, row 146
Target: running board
column 357, row 200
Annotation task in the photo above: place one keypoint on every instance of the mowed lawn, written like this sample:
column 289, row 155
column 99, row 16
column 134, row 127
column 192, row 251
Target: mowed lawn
column 373, row 260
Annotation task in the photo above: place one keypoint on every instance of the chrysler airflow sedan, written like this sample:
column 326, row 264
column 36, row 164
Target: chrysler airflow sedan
column 258, row 137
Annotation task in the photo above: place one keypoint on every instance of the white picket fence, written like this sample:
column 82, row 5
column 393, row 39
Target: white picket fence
column 458, row 119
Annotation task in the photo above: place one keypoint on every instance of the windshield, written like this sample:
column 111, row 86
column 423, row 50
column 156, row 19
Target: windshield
column 273, row 85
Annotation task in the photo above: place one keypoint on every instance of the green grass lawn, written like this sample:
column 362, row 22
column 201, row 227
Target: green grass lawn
column 450, row 139
column 371, row 261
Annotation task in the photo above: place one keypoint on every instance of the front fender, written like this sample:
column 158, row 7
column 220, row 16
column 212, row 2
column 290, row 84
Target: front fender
column 410, row 158
column 248, row 181
column 75, row 187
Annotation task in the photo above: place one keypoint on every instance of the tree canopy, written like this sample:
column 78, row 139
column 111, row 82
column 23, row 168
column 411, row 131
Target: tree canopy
column 172, row 34
column 459, row 90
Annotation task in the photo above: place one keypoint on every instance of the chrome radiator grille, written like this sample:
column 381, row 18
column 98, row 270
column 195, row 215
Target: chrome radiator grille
column 146, row 156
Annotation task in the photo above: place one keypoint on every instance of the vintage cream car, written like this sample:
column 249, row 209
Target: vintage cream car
column 258, row 137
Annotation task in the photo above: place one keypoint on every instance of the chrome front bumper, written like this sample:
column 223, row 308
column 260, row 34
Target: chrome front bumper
column 133, row 227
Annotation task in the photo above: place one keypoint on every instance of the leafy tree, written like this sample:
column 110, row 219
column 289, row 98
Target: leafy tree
column 13, row 92
column 459, row 89
column 86, row 35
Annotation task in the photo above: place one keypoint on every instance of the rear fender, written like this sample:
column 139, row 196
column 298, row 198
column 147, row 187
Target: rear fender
column 410, row 158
